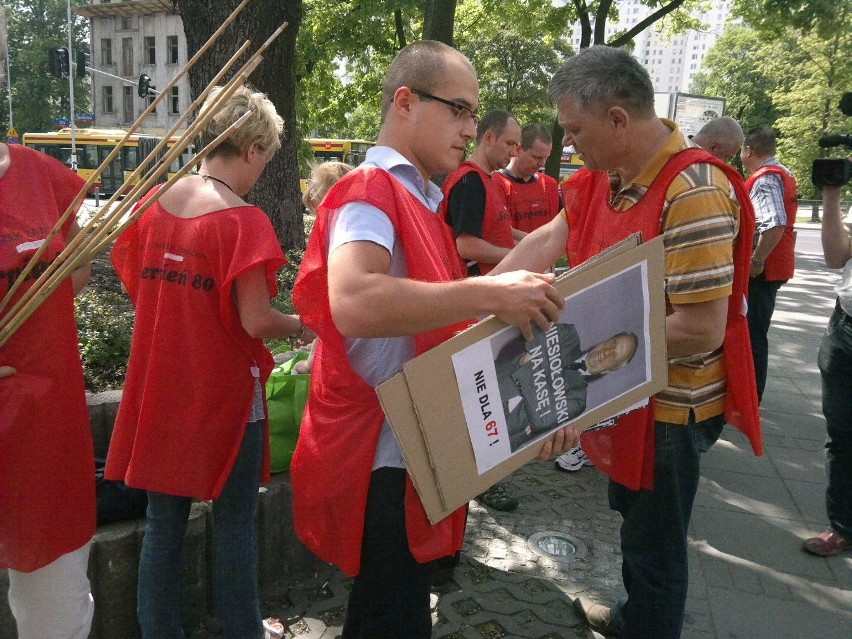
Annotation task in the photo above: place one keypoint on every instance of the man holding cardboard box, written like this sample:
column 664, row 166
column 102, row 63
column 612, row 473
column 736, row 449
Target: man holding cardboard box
column 380, row 283
column 642, row 176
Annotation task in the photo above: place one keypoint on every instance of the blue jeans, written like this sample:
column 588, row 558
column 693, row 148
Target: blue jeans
column 761, row 306
column 835, row 367
column 654, row 532
column 235, row 560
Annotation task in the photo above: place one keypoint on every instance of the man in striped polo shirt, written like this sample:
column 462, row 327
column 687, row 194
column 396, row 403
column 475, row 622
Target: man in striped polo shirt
column 774, row 196
column 643, row 175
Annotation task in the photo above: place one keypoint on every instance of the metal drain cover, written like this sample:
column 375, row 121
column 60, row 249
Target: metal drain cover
column 557, row 546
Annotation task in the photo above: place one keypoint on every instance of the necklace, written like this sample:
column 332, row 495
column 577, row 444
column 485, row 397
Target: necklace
column 215, row 179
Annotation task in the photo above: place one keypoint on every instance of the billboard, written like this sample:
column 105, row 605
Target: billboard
column 690, row 112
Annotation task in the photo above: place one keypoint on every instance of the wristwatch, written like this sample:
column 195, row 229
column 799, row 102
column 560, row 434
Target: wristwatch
column 758, row 263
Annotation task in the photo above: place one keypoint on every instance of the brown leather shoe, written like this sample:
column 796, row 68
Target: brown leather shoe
column 597, row 617
column 827, row 544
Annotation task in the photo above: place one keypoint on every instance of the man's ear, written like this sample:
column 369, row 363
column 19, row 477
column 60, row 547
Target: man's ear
column 402, row 99
column 618, row 117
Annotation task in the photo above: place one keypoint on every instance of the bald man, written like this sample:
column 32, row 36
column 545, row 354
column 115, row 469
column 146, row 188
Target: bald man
column 722, row 137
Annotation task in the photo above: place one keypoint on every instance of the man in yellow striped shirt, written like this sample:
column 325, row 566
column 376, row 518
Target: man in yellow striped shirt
column 605, row 102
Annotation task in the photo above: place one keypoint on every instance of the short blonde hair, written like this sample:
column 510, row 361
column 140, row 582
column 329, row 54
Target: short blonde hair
column 322, row 178
column 263, row 128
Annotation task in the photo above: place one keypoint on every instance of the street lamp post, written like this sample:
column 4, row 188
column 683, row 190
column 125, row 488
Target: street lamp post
column 71, row 96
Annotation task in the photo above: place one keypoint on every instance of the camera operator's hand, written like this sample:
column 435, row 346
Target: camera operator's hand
column 836, row 244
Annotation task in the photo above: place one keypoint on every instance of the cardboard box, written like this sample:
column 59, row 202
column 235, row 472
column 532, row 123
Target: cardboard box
column 457, row 410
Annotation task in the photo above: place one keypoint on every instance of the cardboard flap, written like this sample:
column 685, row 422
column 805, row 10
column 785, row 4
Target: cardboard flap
column 425, row 405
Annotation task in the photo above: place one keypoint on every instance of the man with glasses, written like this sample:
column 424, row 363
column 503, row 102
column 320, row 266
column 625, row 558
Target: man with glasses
column 474, row 206
column 381, row 283
column 722, row 137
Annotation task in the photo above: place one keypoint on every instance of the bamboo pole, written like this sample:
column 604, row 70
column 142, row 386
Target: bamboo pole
column 50, row 279
column 70, row 260
column 130, row 199
column 21, row 313
column 72, row 208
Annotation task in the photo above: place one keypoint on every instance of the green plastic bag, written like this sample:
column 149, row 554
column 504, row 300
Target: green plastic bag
column 286, row 396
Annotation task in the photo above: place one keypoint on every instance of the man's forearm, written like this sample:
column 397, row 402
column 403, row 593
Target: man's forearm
column 767, row 242
column 473, row 248
column 696, row 328
column 836, row 244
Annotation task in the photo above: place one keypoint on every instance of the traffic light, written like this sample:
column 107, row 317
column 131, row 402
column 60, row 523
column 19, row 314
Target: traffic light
column 82, row 63
column 144, row 85
column 58, row 62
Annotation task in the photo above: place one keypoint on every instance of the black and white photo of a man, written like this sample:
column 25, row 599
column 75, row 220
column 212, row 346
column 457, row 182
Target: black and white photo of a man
column 544, row 382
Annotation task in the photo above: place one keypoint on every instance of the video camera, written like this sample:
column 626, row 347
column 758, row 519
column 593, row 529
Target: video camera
column 834, row 171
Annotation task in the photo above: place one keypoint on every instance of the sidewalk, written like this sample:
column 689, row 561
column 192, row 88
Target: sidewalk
column 749, row 579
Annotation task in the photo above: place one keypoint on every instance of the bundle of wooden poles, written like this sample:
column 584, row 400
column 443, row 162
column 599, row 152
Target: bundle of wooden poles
column 112, row 219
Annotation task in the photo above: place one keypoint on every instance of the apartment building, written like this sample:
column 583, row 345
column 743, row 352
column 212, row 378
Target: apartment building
column 130, row 38
column 672, row 62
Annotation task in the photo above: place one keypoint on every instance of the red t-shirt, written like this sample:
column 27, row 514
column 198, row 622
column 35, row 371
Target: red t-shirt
column 47, row 467
column 531, row 204
column 191, row 374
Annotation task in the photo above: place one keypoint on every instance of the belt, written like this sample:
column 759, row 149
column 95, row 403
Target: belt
column 844, row 316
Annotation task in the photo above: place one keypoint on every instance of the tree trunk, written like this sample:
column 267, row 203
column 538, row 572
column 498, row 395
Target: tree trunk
column 554, row 160
column 277, row 191
column 438, row 20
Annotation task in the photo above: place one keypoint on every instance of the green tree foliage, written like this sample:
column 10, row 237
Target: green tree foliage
column 344, row 48
column 789, row 75
column 808, row 108
column 34, row 27
column 515, row 47
column 773, row 17
column 739, row 69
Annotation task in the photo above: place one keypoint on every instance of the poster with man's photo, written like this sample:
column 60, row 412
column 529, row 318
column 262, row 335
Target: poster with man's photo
column 516, row 392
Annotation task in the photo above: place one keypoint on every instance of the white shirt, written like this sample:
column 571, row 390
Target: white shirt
column 377, row 358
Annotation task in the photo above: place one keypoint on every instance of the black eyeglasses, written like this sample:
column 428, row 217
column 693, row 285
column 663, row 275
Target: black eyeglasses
column 462, row 112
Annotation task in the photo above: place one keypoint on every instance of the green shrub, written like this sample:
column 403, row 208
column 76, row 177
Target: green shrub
column 104, row 325
column 284, row 300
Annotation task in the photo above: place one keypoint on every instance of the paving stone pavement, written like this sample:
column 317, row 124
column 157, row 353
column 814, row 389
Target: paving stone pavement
column 749, row 578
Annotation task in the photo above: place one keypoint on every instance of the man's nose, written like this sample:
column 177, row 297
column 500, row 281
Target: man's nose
column 469, row 129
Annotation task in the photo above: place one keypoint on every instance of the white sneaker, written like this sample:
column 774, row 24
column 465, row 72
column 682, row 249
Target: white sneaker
column 273, row 628
column 573, row 460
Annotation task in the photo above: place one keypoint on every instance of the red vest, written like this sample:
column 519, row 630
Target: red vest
column 47, row 480
column 333, row 460
column 190, row 379
column 496, row 223
column 781, row 263
column 594, row 225
column 531, row 204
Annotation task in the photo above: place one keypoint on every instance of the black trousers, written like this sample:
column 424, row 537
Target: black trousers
column 390, row 596
column 761, row 306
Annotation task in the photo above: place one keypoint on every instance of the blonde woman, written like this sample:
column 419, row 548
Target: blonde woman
column 199, row 266
column 322, row 178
